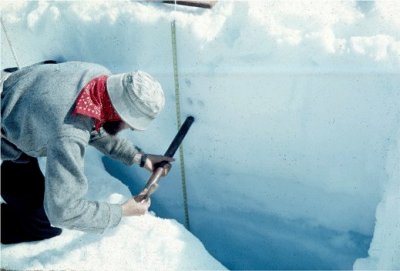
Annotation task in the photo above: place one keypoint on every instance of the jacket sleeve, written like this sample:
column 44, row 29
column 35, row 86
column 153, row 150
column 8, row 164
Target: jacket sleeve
column 66, row 186
column 117, row 148
column 9, row 151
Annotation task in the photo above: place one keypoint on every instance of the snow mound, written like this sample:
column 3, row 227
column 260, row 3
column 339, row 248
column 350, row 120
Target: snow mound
column 385, row 246
column 139, row 243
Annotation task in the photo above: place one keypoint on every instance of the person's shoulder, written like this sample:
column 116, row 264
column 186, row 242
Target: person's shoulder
column 85, row 65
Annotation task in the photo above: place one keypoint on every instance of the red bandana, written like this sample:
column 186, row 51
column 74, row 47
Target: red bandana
column 93, row 101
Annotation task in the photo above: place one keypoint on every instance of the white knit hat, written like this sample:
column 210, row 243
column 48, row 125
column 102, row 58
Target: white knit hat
column 137, row 97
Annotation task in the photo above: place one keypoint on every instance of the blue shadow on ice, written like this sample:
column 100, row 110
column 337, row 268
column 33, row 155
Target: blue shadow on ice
column 275, row 243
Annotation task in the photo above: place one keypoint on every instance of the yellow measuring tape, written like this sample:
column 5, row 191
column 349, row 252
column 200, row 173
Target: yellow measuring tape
column 179, row 122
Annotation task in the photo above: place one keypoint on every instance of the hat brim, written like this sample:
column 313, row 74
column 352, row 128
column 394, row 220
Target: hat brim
column 128, row 113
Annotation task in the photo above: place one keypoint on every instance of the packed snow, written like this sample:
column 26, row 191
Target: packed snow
column 384, row 251
column 292, row 162
column 141, row 243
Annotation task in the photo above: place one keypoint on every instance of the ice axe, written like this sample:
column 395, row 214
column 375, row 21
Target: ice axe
column 152, row 183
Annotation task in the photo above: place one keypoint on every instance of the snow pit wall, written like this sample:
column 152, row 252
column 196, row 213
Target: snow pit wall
column 296, row 107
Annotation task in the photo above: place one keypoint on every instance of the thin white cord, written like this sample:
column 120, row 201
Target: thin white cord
column 9, row 42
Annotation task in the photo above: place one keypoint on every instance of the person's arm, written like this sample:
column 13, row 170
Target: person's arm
column 115, row 147
column 66, row 186
column 123, row 150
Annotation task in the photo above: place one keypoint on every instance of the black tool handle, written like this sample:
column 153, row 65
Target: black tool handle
column 173, row 147
column 152, row 183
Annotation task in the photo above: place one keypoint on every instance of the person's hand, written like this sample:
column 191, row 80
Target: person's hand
column 152, row 160
column 133, row 208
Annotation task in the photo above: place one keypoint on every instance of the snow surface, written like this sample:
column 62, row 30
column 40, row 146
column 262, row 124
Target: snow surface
column 297, row 107
column 138, row 243
column 384, row 251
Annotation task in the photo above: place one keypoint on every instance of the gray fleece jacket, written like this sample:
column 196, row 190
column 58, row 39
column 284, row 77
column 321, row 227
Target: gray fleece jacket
column 36, row 110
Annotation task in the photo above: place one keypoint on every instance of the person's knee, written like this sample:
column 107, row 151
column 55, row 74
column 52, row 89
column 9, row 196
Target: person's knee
column 17, row 227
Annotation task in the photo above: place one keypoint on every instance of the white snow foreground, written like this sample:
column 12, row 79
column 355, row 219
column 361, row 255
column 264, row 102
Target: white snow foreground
column 138, row 243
